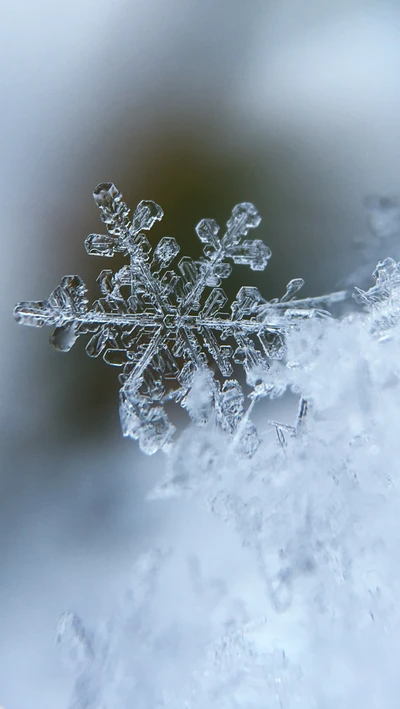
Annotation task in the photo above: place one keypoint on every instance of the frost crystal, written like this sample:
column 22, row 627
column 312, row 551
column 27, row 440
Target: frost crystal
column 167, row 329
column 308, row 615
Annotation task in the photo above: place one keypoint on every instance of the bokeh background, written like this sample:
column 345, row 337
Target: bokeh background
column 291, row 104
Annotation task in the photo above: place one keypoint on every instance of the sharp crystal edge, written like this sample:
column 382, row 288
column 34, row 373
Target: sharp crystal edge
column 168, row 328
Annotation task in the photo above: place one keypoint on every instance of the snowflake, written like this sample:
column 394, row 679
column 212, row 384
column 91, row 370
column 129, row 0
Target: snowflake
column 167, row 329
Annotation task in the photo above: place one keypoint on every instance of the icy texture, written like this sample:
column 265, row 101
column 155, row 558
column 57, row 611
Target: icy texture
column 117, row 669
column 166, row 327
column 147, row 661
column 316, row 509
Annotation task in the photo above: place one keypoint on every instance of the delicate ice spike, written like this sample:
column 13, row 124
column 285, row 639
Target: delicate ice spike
column 292, row 288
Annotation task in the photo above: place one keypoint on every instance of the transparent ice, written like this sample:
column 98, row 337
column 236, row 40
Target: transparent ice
column 168, row 329
column 313, row 620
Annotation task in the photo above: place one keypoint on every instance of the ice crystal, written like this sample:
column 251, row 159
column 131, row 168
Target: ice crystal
column 313, row 620
column 383, row 299
column 166, row 328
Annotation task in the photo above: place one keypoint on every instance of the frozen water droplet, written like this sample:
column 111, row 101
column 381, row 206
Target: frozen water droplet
column 64, row 337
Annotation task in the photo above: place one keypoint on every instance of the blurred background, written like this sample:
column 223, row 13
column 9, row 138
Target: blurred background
column 290, row 104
